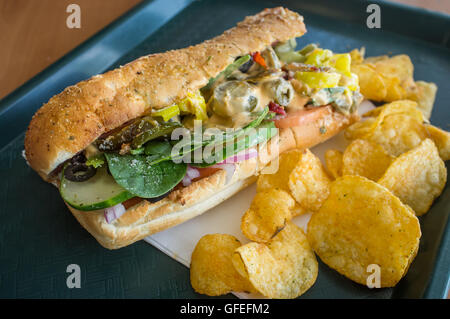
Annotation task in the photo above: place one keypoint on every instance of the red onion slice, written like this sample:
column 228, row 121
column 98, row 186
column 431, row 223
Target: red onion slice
column 186, row 181
column 242, row 156
column 191, row 173
column 114, row 212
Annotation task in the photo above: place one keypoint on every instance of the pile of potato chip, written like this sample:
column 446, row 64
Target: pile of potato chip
column 283, row 267
column 279, row 262
column 362, row 224
column 364, row 202
column 388, row 79
column 395, row 148
column 212, row 272
column 391, row 172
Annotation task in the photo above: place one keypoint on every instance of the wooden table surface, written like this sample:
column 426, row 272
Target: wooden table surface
column 33, row 33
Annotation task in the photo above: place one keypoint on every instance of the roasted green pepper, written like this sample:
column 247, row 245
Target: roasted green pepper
column 233, row 97
column 137, row 133
column 114, row 141
column 280, row 90
column 158, row 130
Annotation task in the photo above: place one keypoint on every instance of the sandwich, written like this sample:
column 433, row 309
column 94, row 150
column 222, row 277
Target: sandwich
column 110, row 143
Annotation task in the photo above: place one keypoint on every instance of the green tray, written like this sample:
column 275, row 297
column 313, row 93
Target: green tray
column 39, row 237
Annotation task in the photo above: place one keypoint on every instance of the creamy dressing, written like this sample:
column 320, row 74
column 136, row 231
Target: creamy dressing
column 241, row 118
column 267, row 85
column 298, row 102
column 222, row 123
column 321, row 97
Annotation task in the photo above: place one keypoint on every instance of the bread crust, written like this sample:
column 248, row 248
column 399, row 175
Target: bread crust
column 145, row 218
column 73, row 119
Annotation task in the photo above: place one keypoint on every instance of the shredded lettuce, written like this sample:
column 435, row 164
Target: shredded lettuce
column 96, row 161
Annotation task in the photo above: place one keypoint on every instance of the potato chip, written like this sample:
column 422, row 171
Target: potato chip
column 417, row 177
column 390, row 79
column 357, row 55
column 212, row 272
column 406, row 107
column 376, row 116
column 285, row 267
column 333, row 162
column 398, row 133
column 396, row 126
column 297, row 210
column 394, row 89
column 399, row 66
column 309, row 183
column 424, row 94
column 287, row 162
column 374, row 59
column 442, row 140
column 360, row 129
column 397, row 73
column 268, row 214
column 371, row 84
column 366, row 159
column 360, row 224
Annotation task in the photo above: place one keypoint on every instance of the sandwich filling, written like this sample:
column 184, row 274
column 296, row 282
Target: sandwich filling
column 239, row 109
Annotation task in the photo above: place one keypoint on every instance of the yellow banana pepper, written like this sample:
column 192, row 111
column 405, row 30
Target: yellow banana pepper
column 194, row 103
column 319, row 79
column 341, row 62
column 168, row 112
column 319, row 57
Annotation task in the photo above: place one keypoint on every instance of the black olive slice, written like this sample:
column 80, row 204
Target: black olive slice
column 79, row 172
column 246, row 66
column 79, row 158
column 157, row 199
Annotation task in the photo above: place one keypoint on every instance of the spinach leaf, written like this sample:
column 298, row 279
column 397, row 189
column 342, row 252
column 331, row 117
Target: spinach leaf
column 232, row 136
column 137, row 151
column 160, row 151
column 225, row 138
column 158, row 148
column 261, row 134
column 157, row 151
column 137, row 175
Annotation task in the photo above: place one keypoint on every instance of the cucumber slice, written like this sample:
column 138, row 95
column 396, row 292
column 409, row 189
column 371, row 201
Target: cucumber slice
column 100, row 191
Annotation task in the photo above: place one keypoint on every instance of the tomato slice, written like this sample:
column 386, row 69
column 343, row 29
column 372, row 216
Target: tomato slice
column 131, row 202
column 302, row 117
